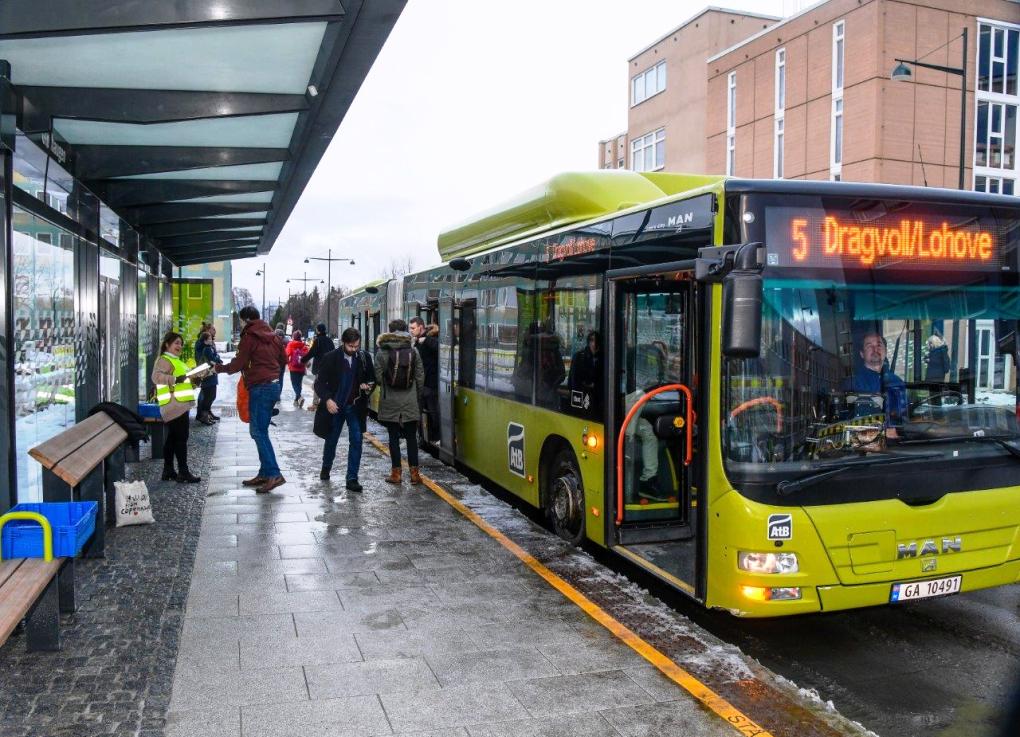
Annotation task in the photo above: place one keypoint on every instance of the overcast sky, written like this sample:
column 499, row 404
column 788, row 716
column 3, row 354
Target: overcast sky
column 469, row 103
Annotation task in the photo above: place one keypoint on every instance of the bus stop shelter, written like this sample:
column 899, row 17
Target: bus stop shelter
column 135, row 138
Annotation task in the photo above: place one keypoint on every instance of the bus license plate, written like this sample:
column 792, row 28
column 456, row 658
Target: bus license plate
column 925, row 589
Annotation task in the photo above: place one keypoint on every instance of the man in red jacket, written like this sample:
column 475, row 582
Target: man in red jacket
column 261, row 360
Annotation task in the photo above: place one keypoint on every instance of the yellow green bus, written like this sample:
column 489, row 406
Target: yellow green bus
column 778, row 397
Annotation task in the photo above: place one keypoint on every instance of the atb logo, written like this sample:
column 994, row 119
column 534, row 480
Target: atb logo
column 515, row 448
column 780, row 527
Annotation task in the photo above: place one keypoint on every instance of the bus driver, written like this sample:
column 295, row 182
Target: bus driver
column 873, row 376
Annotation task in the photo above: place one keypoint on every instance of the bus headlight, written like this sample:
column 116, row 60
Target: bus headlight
column 767, row 562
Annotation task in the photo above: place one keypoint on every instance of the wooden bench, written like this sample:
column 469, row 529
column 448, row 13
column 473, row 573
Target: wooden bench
column 36, row 590
column 83, row 461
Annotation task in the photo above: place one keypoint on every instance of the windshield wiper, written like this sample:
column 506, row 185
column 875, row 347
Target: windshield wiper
column 1001, row 440
column 789, row 486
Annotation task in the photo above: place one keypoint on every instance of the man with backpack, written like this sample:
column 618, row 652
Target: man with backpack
column 400, row 374
column 342, row 386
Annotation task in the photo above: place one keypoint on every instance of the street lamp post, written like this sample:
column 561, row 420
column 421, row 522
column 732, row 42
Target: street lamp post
column 329, row 282
column 262, row 272
column 305, row 279
column 902, row 74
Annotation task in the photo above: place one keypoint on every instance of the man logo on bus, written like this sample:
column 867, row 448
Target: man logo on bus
column 515, row 448
column 780, row 527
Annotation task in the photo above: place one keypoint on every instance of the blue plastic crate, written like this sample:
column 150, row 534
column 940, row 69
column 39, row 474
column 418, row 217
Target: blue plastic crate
column 149, row 409
column 73, row 524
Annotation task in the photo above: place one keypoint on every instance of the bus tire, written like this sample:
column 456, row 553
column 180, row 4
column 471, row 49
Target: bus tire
column 564, row 496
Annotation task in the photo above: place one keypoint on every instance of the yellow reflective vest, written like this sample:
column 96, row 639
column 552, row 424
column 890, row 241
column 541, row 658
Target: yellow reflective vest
column 183, row 392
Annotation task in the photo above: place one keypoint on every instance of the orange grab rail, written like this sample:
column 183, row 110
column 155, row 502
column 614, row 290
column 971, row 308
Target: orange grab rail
column 776, row 405
column 688, row 455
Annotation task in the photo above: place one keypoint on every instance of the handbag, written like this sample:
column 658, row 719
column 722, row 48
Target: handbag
column 242, row 400
column 132, row 503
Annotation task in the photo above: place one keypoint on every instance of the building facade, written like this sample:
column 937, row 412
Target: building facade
column 667, row 92
column 812, row 96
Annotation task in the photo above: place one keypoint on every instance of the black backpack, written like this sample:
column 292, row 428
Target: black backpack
column 399, row 370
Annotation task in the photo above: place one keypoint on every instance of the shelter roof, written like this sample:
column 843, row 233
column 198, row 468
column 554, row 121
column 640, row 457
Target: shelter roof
column 199, row 122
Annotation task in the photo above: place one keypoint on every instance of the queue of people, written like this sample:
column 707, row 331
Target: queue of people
column 404, row 369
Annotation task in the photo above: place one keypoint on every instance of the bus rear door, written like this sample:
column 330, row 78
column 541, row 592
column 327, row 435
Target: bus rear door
column 651, row 352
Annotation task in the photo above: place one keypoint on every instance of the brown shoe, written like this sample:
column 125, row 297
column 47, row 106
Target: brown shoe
column 415, row 476
column 271, row 484
column 394, row 477
column 257, row 481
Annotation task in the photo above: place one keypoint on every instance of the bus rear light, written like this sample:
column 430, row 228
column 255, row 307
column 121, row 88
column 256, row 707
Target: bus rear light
column 779, row 593
column 767, row 562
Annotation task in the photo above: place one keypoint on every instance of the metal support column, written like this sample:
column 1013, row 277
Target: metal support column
column 8, row 467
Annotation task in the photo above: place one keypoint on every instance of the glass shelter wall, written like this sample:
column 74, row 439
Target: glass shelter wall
column 44, row 330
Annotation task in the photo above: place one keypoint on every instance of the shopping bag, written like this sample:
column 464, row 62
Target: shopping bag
column 242, row 400
column 133, row 505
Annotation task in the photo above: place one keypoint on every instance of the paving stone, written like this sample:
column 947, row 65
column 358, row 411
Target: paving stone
column 489, row 666
column 684, row 717
column 578, row 693
column 410, row 644
column 284, row 649
column 334, row 582
column 402, row 675
column 198, row 686
column 452, row 707
column 224, row 721
column 283, row 603
column 361, row 715
column 575, row 725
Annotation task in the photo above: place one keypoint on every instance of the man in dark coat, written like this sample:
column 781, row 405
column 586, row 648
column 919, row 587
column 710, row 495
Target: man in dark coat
column 426, row 340
column 339, row 386
column 321, row 345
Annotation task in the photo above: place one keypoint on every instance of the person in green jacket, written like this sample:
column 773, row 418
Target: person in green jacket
column 401, row 376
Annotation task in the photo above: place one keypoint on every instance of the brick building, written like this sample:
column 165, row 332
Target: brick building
column 811, row 96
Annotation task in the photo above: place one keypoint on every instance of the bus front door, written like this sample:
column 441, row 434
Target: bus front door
column 449, row 315
column 650, row 359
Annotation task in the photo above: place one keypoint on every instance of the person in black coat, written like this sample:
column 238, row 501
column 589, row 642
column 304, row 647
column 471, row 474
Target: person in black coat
column 426, row 340
column 206, row 353
column 340, row 386
column 585, row 379
column 322, row 344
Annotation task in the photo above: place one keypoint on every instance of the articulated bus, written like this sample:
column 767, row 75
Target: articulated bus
column 778, row 397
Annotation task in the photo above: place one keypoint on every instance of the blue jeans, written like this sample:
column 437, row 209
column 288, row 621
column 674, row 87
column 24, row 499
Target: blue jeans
column 261, row 399
column 346, row 416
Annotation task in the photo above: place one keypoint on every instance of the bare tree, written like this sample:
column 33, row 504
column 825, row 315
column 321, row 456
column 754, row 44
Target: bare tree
column 399, row 267
column 242, row 298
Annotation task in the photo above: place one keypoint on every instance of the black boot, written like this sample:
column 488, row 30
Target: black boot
column 185, row 477
column 169, row 474
column 324, row 474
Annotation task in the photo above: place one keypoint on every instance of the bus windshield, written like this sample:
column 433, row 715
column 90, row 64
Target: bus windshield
column 875, row 360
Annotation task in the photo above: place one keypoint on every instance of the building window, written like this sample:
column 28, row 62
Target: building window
column 780, row 125
column 778, row 158
column 650, row 82
column 780, row 81
column 997, row 103
column 994, row 185
column 836, row 141
column 731, row 122
column 648, row 152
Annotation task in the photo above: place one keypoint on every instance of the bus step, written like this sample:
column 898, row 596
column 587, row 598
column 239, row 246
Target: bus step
column 634, row 534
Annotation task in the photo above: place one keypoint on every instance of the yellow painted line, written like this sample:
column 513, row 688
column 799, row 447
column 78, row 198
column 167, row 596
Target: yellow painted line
column 709, row 698
column 655, row 569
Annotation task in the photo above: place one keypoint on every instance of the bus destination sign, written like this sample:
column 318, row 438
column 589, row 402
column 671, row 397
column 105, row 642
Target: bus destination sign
column 914, row 241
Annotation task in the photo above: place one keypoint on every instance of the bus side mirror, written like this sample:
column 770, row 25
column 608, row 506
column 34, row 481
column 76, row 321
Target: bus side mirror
column 742, row 304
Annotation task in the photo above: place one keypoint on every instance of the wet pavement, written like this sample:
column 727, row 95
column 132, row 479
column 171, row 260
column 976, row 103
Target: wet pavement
column 314, row 610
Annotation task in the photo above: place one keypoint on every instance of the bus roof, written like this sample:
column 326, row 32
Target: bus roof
column 566, row 198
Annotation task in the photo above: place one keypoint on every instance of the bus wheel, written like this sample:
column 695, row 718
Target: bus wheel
column 565, row 498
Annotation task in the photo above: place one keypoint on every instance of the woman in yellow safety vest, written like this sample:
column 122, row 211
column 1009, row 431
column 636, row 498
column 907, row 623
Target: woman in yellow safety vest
column 176, row 396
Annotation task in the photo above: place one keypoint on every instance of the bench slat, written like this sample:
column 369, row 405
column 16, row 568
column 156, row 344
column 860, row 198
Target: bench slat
column 20, row 590
column 7, row 569
column 54, row 450
column 73, row 468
